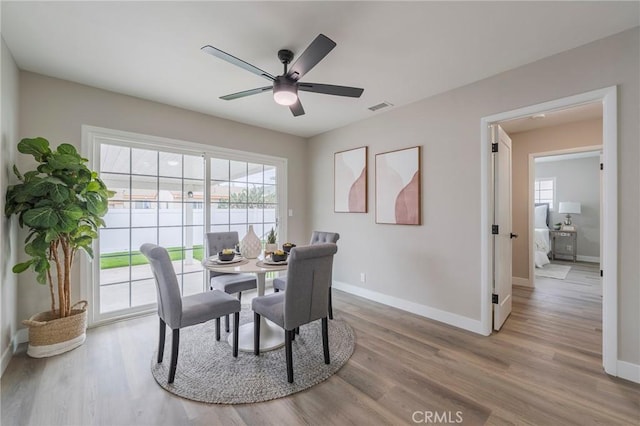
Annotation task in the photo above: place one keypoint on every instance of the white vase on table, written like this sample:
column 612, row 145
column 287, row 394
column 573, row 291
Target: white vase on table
column 250, row 246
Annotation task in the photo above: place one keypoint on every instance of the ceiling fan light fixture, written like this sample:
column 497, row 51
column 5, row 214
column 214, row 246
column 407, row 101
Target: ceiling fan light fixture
column 285, row 92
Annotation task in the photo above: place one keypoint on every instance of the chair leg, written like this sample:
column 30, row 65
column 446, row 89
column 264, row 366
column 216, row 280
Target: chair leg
column 218, row 329
column 226, row 323
column 330, row 305
column 293, row 335
column 175, row 343
column 288, row 337
column 325, row 339
column 163, row 332
column 236, row 329
column 276, row 290
column 298, row 330
column 256, row 333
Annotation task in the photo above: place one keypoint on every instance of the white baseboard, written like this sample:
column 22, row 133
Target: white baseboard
column 21, row 336
column 415, row 308
column 521, row 281
column 6, row 358
column 629, row 371
column 592, row 259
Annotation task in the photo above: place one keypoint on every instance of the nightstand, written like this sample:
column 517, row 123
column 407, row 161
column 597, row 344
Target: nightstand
column 564, row 244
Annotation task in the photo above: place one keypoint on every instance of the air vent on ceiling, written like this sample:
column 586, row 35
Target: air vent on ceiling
column 380, row 106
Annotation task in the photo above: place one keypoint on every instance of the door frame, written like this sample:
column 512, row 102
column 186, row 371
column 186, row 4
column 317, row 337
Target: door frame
column 531, row 197
column 609, row 243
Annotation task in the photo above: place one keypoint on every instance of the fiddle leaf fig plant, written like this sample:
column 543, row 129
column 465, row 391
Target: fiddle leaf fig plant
column 62, row 204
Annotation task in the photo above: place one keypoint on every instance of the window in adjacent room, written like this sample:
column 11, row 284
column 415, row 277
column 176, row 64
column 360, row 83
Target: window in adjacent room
column 544, row 191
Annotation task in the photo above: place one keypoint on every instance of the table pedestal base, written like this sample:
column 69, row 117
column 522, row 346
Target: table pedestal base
column 271, row 336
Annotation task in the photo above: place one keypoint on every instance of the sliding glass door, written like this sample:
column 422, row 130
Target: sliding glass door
column 161, row 198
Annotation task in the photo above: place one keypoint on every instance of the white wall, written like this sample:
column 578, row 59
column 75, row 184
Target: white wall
column 577, row 180
column 439, row 269
column 56, row 109
column 8, row 242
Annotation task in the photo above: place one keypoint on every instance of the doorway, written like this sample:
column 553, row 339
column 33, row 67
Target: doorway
column 565, row 186
column 608, row 98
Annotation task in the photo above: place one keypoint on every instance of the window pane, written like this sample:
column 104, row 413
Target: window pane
column 193, row 190
column 193, row 167
column 114, row 268
column 193, row 237
column 144, row 162
column 546, row 194
column 140, row 269
column 219, row 191
column 171, row 238
column 254, row 215
column 270, row 175
column 238, row 171
column 170, row 164
column 193, row 283
column 240, row 229
column 270, row 211
column 119, row 184
column 270, row 195
column 219, row 169
column 546, row 184
column 219, row 213
column 118, row 214
column 114, row 159
column 255, row 173
column 143, row 292
column 193, row 214
column 238, row 193
column 114, row 297
column 170, row 214
column 238, row 214
column 219, row 228
column 140, row 236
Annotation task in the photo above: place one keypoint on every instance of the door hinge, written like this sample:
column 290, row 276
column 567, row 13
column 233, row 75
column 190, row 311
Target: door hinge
column 601, row 273
column 495, row 229
column 601, row 166
column 494, row 147
column 494, row 298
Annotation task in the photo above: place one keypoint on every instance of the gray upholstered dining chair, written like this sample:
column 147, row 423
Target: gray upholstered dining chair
column 229, row 283
column 179, row 312
column 317, row 237
column 306, row 298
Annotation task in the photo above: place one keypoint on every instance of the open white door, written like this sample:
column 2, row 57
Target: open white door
column 502, row 247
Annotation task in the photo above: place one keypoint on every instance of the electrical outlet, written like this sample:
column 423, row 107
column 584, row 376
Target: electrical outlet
column 363, row 277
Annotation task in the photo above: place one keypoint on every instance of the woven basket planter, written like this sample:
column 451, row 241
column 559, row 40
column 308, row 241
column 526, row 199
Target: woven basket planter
column 50, row 336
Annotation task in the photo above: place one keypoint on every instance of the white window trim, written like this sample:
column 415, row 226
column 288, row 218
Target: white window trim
column 92, row 134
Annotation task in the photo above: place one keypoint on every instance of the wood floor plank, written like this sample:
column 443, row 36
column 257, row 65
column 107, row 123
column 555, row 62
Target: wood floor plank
column 543, row 368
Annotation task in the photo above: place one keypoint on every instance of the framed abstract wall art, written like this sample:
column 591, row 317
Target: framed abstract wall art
column 350, row 181
column 398, row 197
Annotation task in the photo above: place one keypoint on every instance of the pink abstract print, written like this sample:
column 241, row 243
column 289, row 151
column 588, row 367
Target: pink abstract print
column 357, row 194
column 407, row 203
column 350, row 181
column 398, row 187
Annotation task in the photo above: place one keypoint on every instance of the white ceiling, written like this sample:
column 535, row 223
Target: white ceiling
column 399, row 52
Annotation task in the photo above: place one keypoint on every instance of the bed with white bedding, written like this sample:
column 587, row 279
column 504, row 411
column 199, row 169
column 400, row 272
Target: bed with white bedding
column 541, row 243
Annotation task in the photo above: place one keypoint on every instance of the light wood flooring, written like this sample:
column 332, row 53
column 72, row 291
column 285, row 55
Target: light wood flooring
column 543, row 368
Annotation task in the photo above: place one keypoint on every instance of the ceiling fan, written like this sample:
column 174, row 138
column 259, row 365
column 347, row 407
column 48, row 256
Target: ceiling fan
column 286, row 86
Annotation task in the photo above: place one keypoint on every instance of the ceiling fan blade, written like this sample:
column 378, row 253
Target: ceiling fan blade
column 296, row 109
column 246, row 93
column 329, row 89
column 318, row 49
column 237, row 62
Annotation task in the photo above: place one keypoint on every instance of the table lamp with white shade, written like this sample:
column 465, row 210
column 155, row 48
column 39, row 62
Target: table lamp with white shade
column 569, row 208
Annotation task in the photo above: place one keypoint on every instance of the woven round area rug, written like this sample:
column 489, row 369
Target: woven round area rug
column 208, row 372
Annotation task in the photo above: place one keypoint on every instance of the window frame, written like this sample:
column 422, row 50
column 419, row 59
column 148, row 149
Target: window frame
column 93, row 137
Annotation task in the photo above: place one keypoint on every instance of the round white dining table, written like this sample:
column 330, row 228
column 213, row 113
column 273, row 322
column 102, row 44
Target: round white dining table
column 271, row 335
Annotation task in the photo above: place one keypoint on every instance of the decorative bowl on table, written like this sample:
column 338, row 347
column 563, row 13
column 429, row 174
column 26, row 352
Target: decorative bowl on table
column 287, row 247
column 279, row 256
column 226, row 255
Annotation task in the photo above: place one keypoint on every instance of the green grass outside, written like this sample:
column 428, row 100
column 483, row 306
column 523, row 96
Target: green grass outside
column 121, row 259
